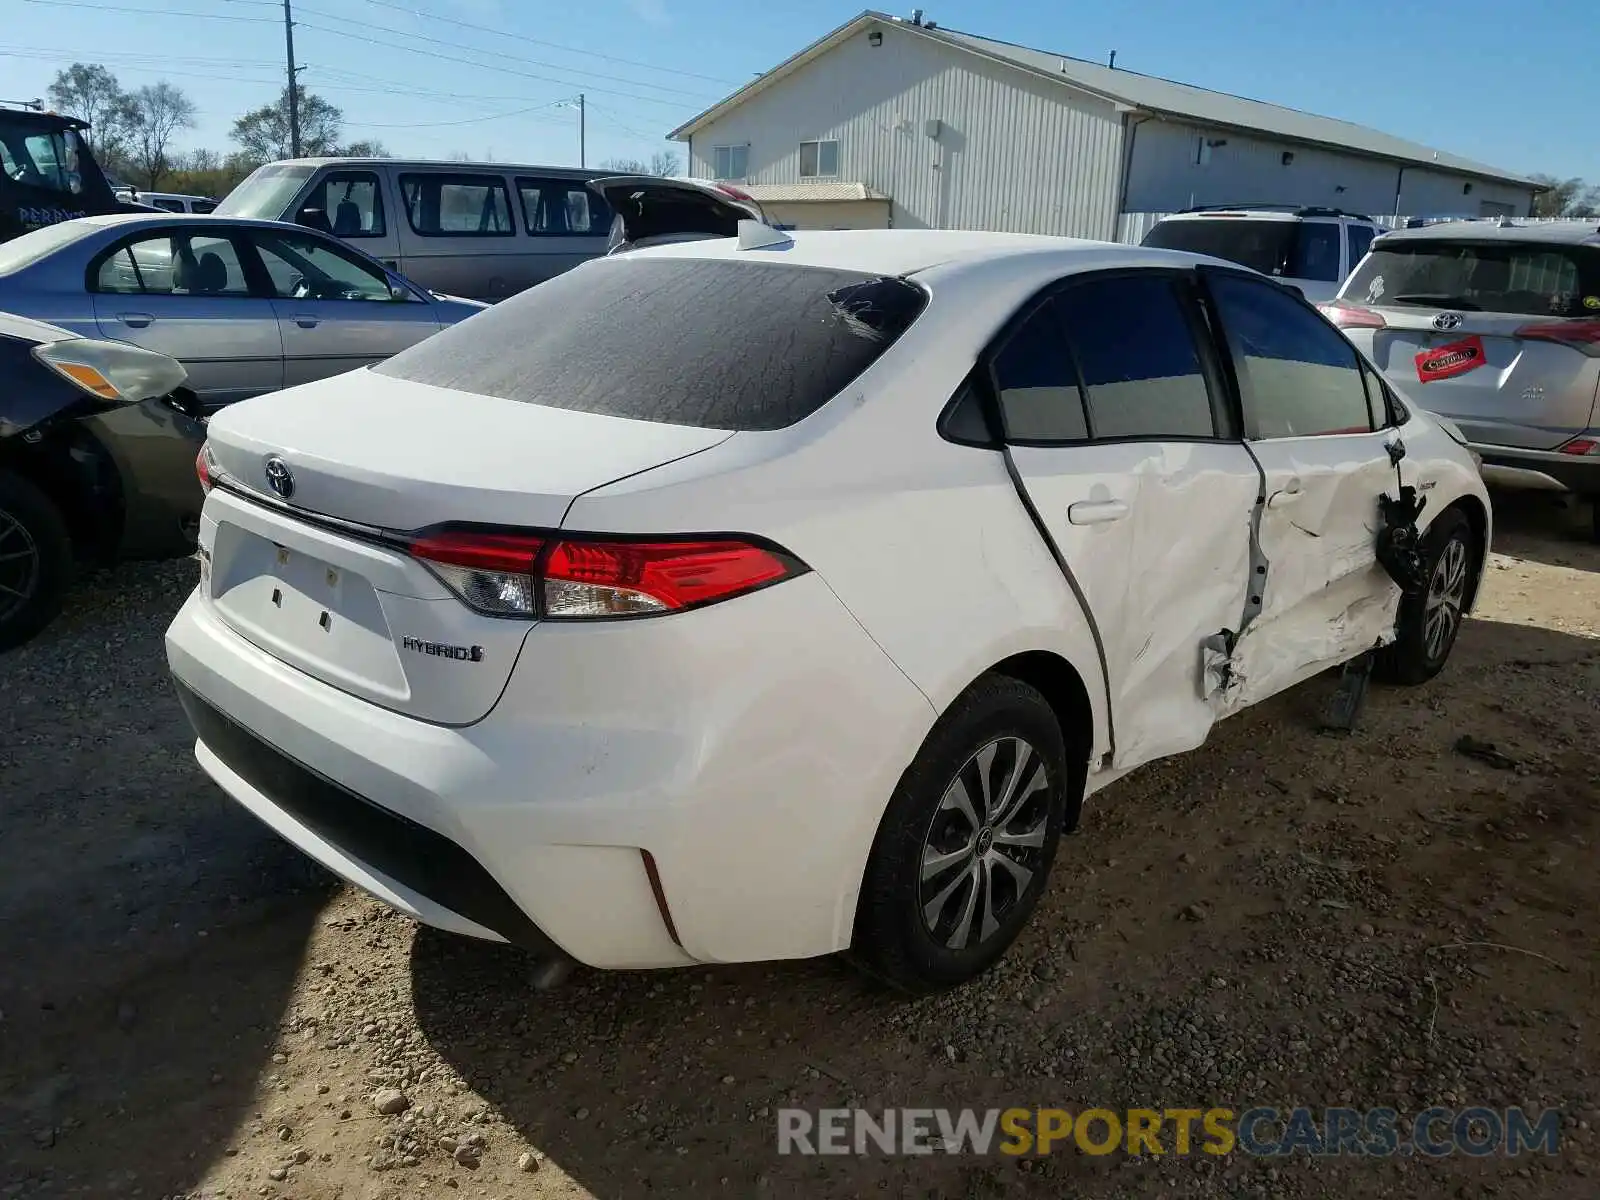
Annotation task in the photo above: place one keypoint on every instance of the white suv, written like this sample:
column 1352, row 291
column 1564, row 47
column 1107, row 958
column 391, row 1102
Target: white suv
column 764, row 597
column 1313, row 249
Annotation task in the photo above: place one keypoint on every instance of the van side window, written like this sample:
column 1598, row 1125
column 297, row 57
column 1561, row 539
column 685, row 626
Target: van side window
column 347, row 204
column 463, row 205
column 562, row 207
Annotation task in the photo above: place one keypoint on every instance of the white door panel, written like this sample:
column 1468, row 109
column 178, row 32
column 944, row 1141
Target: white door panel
column 1157, row 537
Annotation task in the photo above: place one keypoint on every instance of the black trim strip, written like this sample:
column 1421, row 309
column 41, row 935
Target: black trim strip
column 413, row 855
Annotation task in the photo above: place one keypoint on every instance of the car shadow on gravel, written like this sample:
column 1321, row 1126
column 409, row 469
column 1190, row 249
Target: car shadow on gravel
column 1282, row 917
column 151, row 933
column 1546, row 528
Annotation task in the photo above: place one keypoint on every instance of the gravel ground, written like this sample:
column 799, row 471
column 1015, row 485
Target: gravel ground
column 189, row 1008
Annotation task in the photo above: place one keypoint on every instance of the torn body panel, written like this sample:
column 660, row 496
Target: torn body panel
column 1323, row 596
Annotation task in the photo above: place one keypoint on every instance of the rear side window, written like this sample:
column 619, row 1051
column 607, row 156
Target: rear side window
column 562, row 208
column 1137, row 359
column 1316, row 252
column 707, row 343
column 457, row 205
column 1297, row 376
column 1263, row 246
column 1360, row 241
column 1524, row 278
column 1038, row 384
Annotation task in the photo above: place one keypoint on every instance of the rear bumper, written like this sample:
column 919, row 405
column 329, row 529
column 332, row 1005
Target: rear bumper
column 1541, row 470
column 749, row 748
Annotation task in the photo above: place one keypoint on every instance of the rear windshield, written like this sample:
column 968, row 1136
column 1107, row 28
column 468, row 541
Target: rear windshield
column 1503, row 277
column 266, row 192
column 709, row 343
column 1293, row 249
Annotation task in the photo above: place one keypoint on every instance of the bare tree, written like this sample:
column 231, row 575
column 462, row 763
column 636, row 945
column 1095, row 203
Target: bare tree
column 664, row 162
column 91, row 92
column 1566, row 198
column 625, row 166
column 160, row 111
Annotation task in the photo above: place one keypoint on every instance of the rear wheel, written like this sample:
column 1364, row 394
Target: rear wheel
column 35, row 560
column 1430, row 622
column 966, row 844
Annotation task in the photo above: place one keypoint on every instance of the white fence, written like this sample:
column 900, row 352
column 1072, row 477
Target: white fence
column 1134, row 225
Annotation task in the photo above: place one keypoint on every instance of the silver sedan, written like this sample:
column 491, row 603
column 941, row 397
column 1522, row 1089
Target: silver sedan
column 246, row 306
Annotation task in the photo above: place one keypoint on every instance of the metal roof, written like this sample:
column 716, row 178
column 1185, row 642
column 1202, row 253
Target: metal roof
column 1143, row 93
column 810, row 191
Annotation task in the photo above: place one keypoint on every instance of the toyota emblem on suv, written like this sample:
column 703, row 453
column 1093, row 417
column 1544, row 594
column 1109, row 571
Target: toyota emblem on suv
column 279, row 478
column 1447, row 321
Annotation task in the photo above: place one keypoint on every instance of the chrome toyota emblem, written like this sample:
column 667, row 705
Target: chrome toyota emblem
column 279, row 478
column 1447, row 321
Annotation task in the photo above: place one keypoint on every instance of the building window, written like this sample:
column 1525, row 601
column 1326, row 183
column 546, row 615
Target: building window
column 819, row 159
column 730, row 162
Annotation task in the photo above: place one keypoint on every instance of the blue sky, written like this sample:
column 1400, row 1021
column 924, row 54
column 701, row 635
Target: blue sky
column 1504, row 84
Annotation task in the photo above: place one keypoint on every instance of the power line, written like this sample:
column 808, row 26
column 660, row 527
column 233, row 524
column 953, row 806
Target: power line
column 467, row 121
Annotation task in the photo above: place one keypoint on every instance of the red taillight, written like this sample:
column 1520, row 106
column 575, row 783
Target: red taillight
column 1582, row 334
column 1581, row 445
column 736, row 193
column 528, row 575
column 202, row 468
column 1351, row 316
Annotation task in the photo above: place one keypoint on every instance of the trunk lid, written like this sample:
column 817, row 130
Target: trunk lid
column 651, row 209
column 1501, row 389
column 314, row 572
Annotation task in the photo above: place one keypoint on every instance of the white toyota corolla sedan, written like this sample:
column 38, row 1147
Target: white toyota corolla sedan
column 787, row 594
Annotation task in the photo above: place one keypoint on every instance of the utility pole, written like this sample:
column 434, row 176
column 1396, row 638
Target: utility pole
column 294, row 83
column 583, row 151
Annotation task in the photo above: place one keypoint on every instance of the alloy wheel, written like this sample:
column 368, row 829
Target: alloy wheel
column 19, row 565
column 985, row 843
column 1446, row 593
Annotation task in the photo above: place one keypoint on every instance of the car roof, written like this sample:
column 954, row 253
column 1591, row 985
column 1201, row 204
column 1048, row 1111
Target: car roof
column 1584, row 232
column 157, row 219
column 908, row 251
column 1305, row 213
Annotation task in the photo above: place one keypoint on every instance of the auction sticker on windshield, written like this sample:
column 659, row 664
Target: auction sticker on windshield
column 1453, row 358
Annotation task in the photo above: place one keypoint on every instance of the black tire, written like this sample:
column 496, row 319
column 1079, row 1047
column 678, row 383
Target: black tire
column 1415, row 656
column 987, row 727
column 35, row 560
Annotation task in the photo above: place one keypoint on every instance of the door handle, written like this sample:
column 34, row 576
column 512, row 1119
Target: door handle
column 1096, row 512
column 1290, row 493
column 135, row 320
column 307, row 321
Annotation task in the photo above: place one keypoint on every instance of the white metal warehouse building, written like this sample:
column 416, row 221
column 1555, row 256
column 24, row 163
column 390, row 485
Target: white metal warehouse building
column 898, row 122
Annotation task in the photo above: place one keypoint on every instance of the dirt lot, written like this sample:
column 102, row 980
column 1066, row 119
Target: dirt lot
column 1281, row 917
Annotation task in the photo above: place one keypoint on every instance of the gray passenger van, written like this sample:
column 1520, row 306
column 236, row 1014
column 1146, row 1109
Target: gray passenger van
column 480, row 230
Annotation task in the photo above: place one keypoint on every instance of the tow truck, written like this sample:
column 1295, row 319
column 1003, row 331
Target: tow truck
column 48, row 173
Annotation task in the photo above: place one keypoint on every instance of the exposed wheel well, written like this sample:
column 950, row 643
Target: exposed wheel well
column 1478, row 518
column 80, row 479
column 1058, row 681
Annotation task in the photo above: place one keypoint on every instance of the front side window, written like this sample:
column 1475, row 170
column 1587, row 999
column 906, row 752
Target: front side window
column 710, row 343
column 457, row 205
column 1136, row 355
column 174, row 264
column 307, row 268
column 1037, row 383
column 40, row 160
column 347, row 204
column 819, row 159
column 562, row 208
column 1297, row 376
column 730, row 162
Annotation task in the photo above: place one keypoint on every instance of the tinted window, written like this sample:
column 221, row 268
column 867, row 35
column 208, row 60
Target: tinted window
column 457, row 205
column 715, row 344
column 562, row 207
column 1360, row 239
column 1504, row 277
column 1260, row 245
column 347, row 204
column 1037, row 383
column 305, row 268
column 175, row 264
column 1316, row 252
column 1297, row 375
column 203, row 206
column 1137, row 358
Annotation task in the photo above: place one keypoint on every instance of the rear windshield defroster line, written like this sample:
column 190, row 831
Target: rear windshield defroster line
column 716, row 344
